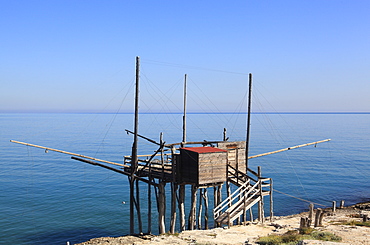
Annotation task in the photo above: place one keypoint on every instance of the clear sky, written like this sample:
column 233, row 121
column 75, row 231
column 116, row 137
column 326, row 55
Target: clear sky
column 78, row 56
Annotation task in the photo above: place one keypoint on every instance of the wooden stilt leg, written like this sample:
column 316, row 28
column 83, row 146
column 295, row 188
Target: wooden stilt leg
column 173, row 207
column 182, row 207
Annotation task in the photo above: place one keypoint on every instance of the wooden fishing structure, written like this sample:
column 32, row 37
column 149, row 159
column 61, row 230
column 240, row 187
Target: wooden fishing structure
column 193, row 167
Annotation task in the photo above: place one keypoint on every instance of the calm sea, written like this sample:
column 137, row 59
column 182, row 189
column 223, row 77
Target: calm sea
column 51, row 199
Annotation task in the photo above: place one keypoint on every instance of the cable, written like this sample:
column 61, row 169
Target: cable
column 304, row 200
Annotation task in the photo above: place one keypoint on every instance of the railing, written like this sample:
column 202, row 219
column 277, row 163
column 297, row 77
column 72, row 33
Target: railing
column 241, row 192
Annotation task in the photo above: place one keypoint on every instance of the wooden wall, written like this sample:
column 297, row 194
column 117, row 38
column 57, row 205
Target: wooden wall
column 202, row 168
column 235, row 153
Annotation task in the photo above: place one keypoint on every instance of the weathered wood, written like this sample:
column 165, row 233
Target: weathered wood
column 317, row 217
column 149, row 208
column 138, row 210
column 248, row 122
column 311, row 212
column 245, row 210
column 215, row 201
column 132, row 201
column 228, row 192
column 173, row 207
column 181, row 205
column 303, row 223
column 228, row 220
column 192, row 214
column 364, row 217
column 201, row 168
column 321, row 218
column 205, row 197
column 289, row 148
column 204, row 142
column 341, row 204
column 260, row 202
column 143, row 137
column 162, row 207
column 271, row 201
column 200, row 209
column 184, row 116
column 68, row 153
column 334, row 206
column 219, row 194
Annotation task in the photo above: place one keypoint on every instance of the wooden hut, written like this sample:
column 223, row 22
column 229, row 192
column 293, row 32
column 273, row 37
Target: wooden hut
column 202, row 165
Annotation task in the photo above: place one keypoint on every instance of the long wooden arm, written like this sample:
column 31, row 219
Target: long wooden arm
column 69, row 153
column 289, row 148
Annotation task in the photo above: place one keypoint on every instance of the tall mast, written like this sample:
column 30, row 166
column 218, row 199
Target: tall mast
column 134, row 148
column 136, row 120
column 184, row 116
column 248, row 122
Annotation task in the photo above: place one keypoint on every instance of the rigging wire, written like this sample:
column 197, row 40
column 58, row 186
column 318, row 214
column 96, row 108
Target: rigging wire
column 162, row 63
column 301, row 199
column 113, row 120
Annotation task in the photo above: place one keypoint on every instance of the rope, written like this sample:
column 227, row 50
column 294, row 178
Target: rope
column 304, row 200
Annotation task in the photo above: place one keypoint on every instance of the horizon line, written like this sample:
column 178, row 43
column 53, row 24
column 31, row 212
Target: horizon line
column 190, row 112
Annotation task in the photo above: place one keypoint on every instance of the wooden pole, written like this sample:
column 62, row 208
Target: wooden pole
column 215, row 201
column 260, row 203
column 228, row 192
column 334, row 206
column 289, row 148
column 219, row 194
column 132, row 201
column 140, row 225
column 174, row 187
column 191, row 221
column 173, row 207
column 68, row 153
column 162, row 207
column 341, row 204
column 245, row 210
column 317, row 217
column 182, row 207
column 184, row 116
column 134, row 148
column 271, row 201
column 149, row 206
column 248, row 122
column 205, row 196
column 311, row 212
column 200, row 209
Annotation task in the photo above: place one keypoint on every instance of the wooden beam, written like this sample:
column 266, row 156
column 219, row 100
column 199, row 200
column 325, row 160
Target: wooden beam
column 289, row 148
column 150, row 140
column 195, row 143
column 68, row 153
column 114, row 169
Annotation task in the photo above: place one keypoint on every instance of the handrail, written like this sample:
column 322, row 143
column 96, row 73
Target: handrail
column 230, row 198
column 222, row 205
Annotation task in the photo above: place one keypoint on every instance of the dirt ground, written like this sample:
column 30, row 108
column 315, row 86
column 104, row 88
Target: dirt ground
column 249, row 234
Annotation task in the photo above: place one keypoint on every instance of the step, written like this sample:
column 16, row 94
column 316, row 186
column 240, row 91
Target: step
column 236, row 210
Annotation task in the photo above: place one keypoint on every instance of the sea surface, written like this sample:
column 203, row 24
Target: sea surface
column 48, row 198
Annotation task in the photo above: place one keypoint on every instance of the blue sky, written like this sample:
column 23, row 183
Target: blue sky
column 78, row 56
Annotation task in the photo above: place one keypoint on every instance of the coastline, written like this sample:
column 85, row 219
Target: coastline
column 249, row 233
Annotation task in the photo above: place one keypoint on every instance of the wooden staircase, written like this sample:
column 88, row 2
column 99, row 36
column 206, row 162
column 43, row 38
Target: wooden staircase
column 250, row 192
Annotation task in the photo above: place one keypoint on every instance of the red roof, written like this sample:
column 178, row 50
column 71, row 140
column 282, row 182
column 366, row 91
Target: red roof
column 205, row 149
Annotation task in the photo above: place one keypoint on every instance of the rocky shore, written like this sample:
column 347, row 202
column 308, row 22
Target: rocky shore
column 249, row 233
